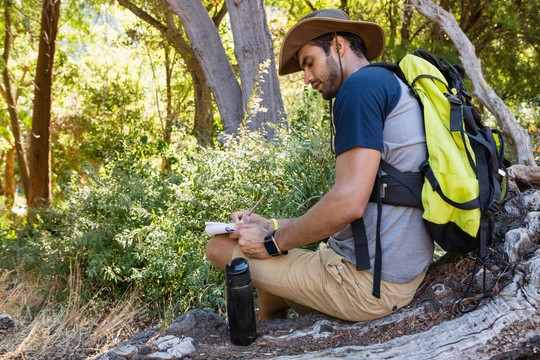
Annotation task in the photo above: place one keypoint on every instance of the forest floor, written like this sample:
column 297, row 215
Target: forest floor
column 434, row 303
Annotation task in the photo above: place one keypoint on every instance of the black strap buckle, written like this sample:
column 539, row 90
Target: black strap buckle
column 413, row 92
column 454, row 99
column 424, row 166
column 494, row 207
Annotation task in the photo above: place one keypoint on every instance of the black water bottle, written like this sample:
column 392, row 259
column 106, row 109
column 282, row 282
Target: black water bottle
column 240, row 304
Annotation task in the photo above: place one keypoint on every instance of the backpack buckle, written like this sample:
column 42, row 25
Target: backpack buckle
column 424, row 166
column 383, row 190
column 454, row 99
column 413, row 92
column 494, row 207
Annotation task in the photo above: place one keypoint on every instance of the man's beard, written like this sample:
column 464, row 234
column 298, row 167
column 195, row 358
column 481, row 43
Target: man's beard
column 330, row 79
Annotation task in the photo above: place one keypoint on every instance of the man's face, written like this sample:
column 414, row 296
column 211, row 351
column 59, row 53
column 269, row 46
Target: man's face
column 321, row 71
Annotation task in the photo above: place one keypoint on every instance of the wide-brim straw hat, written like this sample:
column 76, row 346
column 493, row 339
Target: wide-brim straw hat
column 325, row 21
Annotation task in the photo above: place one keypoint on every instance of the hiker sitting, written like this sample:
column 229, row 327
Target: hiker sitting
column 375, row 118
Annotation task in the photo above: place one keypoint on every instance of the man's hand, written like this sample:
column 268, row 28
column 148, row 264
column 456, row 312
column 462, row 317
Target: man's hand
column 250, row 238
column 241, row 217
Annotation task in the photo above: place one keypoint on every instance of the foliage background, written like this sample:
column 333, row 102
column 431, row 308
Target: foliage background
column 129, row 224
column 126, row 224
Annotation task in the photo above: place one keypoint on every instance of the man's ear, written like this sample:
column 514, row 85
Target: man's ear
column 339, row 42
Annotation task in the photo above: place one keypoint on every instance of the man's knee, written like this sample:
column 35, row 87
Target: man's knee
column 219, row 250
column 211, row 250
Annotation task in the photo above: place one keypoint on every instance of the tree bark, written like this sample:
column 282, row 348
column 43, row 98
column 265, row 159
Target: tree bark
column 514, row 135
column 437, row 34
column 470, row 14
column 208, row 49
column 203, row 127
column 525, row 177
column 203, row 121
column 252, row 47
column 406, row 23
column 9, row 178
column 171, row 114
column 40, row 145
column 12, row 106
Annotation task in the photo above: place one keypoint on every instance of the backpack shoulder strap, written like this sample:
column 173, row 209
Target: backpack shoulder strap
column 361, row 246
column 392, row 67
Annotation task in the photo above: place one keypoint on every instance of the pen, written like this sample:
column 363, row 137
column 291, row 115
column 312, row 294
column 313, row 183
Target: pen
column 255, row 206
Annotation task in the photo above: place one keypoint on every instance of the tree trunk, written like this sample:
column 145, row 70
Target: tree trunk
column 203, row 122
column 9, row 178
column 2, row 156
column 525, row 177
column 437, row 34
column 470, row 14
column 253, row 47
column 170, row 115
column 203, row 126
column 514, row 135
column 40, row 145
column 505, row 325
column 405, row 24
column 11, row 103
column 391, row 10
column 208, row 49
column 170, row 112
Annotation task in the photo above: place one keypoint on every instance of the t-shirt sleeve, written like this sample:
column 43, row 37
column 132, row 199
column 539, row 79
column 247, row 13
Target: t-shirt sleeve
column 363, row 102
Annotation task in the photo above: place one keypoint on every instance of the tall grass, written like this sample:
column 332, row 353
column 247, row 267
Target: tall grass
column 46, row 329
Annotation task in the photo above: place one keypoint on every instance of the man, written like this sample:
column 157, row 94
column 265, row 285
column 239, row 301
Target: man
column 375, row 117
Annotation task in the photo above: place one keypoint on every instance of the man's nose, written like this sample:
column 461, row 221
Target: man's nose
column 308, row 77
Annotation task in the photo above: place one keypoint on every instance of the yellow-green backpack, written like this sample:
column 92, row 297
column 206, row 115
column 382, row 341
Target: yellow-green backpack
column 462, row 182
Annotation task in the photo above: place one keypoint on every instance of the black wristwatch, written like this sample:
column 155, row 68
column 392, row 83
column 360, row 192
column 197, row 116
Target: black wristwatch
column 271, row 245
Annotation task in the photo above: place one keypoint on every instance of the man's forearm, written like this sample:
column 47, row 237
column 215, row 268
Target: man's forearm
column 344, row 203
column 325, row 218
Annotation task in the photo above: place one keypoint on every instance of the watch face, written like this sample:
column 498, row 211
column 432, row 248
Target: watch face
column 271, row 247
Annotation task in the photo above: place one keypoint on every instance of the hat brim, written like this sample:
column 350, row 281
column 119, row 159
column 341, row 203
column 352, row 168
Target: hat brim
column 304, row 31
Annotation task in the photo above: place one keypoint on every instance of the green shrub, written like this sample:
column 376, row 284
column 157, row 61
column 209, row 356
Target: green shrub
column 129, row 223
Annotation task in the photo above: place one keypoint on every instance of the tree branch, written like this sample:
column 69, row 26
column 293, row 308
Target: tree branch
column 12, row 105
column 3, row 92
column 310, row 5
column 170, row 31
column 143, row 15
column 417, row 32
column 217, row 18
column 515, row 136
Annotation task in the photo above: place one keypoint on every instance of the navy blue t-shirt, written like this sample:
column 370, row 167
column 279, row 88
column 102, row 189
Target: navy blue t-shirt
column 363, row 102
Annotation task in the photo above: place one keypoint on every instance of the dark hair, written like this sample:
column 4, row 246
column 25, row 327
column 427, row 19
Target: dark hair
column 356, row 43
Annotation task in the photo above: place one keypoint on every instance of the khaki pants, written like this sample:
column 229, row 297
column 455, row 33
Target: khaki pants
column 327, row 282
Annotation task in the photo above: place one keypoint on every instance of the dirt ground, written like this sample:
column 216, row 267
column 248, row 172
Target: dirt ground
column 434, row 303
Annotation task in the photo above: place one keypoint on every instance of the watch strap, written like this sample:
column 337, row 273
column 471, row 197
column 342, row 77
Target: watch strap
column 272, row 246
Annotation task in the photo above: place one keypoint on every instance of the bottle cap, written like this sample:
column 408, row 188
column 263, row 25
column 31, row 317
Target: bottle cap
column 237, row 272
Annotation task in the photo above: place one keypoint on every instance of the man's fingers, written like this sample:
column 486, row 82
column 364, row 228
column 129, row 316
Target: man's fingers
column 239, row 216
